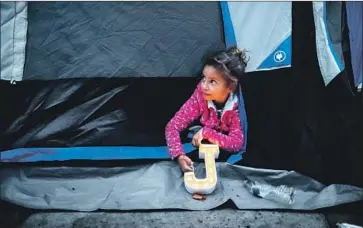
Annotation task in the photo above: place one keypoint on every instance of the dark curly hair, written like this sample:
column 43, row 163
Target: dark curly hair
column 231, row 63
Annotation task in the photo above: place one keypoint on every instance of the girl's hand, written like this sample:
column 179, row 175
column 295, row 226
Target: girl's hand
column 197, row 138
column 184, row 162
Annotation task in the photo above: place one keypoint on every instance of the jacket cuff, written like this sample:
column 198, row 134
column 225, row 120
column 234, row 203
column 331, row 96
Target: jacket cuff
column 176, row 155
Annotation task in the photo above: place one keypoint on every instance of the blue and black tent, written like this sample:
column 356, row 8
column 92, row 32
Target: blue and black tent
column 96, row 82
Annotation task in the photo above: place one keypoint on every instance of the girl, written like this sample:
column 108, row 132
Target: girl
column 215, row 104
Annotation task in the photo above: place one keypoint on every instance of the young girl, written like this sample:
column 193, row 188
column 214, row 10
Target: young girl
column 215, row 104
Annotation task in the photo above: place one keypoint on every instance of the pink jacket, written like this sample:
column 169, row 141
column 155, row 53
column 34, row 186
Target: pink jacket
column 226, row 132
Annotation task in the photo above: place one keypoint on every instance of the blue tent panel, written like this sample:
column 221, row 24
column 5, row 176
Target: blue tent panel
column 87, row 153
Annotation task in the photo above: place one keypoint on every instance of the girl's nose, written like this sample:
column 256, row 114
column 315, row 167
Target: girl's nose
column 204, row 86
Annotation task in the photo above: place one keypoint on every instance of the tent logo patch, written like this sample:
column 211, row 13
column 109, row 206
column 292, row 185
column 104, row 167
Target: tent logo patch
column 279, row 56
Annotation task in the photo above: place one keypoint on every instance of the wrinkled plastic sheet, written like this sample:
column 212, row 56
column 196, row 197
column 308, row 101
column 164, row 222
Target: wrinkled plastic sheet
column 120, row 39
column 159, row 186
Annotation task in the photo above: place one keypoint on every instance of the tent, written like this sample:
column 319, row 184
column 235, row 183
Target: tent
column 95, row 83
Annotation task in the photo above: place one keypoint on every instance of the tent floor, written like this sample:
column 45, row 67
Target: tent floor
column 224, row 216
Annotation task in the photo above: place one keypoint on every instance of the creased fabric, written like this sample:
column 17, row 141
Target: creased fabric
column 160, row 186
column 354, row 18
column 120, row 39
column 14, row 24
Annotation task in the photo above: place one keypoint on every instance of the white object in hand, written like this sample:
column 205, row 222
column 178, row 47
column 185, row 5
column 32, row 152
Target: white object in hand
column 208, row 152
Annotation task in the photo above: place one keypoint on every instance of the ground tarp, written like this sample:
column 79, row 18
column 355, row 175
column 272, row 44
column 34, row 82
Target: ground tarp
column 159, row 186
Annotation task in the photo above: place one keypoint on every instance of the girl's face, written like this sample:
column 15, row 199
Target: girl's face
column 214, row 86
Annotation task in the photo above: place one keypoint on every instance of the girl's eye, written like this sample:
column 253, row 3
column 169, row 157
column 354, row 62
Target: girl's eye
column 213, row 82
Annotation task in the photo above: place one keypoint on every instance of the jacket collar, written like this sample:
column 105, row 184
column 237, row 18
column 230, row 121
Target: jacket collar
column 231, row 101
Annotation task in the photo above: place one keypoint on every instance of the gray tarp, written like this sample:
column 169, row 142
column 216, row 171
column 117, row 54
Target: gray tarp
column 158, row 186
column 120, row 39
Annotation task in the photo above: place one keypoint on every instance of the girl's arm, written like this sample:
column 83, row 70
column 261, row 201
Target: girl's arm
column 189, row 112
column 232, row 142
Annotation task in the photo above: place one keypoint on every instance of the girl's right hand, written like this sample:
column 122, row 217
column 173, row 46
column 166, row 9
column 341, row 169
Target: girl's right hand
column 184, row 163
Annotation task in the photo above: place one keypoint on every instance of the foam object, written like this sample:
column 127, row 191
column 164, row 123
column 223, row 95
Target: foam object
column 208, row 152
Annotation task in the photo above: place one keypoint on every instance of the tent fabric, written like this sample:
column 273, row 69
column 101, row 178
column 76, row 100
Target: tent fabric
column 354, row 19
column 159, row 186
column 120, row 39
column 95, row 120
column 327, row 18
column 90, row 113
column 237, row 157
column 294, row 121
column 98, row 153
column 244, row 122
column 266, row 39
column 14, row 23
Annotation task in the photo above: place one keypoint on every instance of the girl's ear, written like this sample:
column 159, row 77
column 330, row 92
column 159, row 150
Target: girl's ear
column 232, row 88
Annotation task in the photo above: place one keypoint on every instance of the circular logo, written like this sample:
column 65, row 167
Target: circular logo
column 279, row 56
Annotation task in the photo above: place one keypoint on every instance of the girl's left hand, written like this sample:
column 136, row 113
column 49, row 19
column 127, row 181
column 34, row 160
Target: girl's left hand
column 197, row 138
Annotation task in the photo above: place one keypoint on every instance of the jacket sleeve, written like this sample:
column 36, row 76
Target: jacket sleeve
column 232, row 142
column 189, row 112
